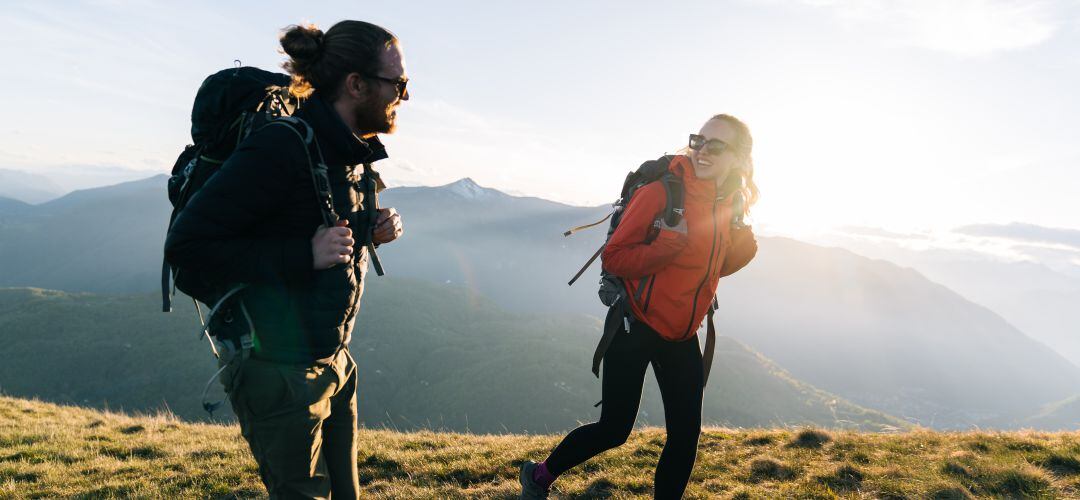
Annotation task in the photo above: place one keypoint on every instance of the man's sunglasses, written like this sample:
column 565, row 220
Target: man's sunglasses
column 400, row 84
column 711, row 146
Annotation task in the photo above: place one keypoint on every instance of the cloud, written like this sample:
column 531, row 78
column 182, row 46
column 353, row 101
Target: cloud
column 878, row 232
column 1022, row 232
column 961, row 27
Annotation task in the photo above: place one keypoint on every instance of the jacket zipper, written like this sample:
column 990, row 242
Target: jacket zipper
column 708, row 272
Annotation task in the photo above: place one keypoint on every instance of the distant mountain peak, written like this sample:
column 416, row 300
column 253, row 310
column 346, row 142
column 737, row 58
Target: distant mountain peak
column 469, row 189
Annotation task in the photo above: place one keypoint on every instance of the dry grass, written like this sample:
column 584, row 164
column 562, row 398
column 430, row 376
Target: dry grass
column 49, row 451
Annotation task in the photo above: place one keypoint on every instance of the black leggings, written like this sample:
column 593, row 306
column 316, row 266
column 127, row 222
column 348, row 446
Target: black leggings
column 681, row 378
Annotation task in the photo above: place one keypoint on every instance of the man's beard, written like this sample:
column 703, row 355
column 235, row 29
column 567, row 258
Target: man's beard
column 375, row 119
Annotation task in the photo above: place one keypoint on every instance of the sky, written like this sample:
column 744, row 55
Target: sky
column 902, row 116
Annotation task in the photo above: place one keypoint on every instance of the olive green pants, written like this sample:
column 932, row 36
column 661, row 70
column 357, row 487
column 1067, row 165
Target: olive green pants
column 300, row 422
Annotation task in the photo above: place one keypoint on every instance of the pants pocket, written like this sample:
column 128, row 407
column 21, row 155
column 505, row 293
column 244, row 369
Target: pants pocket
column 264, row 389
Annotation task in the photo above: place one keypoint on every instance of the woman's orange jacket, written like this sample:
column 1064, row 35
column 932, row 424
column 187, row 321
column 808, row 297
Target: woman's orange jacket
column 672, row 280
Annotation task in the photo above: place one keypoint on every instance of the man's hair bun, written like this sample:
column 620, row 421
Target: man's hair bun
column 304, row 46
column 322, row 61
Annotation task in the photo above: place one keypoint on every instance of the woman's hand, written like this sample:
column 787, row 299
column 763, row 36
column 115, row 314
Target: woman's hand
column 332, row 245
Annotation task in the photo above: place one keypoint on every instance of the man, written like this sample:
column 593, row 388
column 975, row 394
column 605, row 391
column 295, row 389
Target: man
column 258, row 222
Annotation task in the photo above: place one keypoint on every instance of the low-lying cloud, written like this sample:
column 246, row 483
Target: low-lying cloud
column 1019, row 231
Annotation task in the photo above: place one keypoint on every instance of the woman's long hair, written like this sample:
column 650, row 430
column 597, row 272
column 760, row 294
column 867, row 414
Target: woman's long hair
column 744, row 148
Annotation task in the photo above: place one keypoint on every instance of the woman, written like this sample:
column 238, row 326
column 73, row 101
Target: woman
column 679, row 270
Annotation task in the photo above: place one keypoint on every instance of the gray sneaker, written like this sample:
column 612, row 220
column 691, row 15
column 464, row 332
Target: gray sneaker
column 529, row 489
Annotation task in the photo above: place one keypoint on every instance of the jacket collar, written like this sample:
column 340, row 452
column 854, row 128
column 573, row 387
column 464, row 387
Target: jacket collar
column 701, row 190
column 340, row 147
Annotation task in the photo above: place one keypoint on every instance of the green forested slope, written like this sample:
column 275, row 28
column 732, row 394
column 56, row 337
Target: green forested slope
column 430, row 356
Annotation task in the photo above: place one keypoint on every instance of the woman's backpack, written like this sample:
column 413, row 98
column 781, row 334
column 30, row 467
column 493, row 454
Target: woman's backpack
column 613, row 292
column 611, row 286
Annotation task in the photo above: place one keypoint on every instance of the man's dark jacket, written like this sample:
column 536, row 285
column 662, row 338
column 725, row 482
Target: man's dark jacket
column 253, row 221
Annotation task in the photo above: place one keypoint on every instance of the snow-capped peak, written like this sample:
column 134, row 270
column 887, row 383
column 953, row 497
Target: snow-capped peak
column 467, row 188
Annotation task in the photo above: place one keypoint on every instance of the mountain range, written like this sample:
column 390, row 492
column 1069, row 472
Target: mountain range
column 1038, row 299
column 868, row 331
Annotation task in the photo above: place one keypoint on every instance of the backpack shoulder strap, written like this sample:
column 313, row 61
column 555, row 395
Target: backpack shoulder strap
column 371, row 184
column 319, row 171
column 674, row 205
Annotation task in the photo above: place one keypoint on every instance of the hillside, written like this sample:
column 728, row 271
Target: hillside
column 919, row 350
column 430, row 356
column 1039, row 297
column 111, row 240
column 49, row 451
column 866, row 330
column 11, row 206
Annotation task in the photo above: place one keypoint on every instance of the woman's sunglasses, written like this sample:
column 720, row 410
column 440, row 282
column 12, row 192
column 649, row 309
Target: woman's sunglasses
column 711, row 146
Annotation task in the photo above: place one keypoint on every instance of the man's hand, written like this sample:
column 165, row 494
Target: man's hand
column 332, row 245
column 387, row 226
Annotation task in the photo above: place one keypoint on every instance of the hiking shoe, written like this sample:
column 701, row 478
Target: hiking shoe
column 529, row 489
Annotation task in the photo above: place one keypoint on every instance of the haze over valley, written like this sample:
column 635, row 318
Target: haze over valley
column 475, row 305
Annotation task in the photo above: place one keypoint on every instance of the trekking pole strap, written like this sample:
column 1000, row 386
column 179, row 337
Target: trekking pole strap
column 587, row 264
column 570, row 231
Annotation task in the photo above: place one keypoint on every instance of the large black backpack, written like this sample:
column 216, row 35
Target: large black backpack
column 229, row 106
column 612, row 291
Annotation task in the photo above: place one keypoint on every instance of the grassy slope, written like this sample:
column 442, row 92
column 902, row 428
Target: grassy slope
column 56, row 451
column 430, row 356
